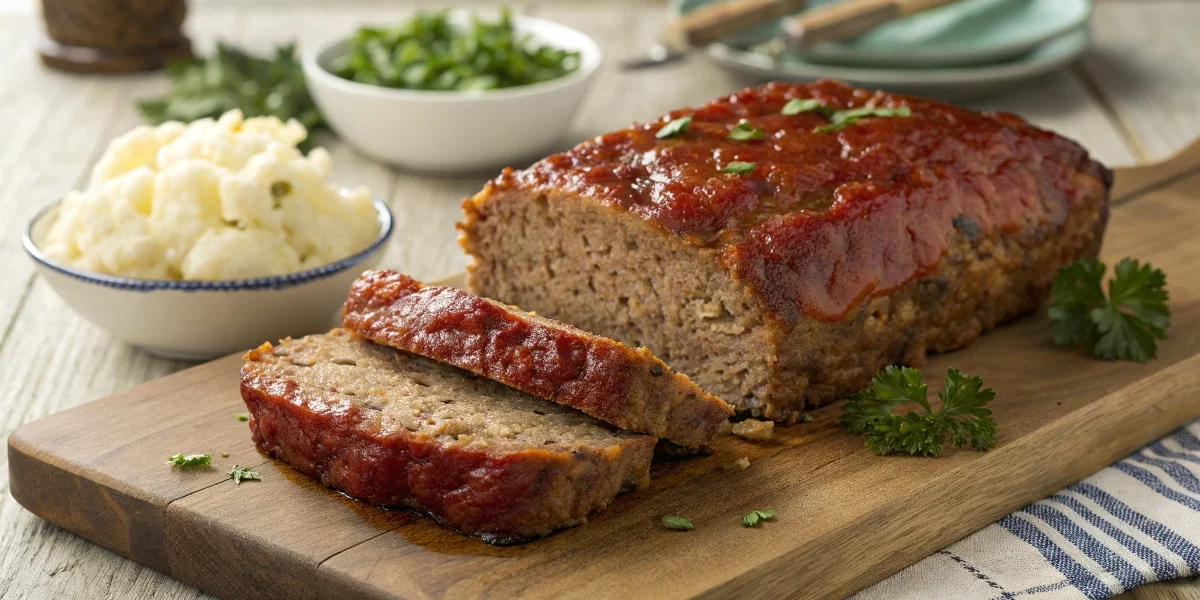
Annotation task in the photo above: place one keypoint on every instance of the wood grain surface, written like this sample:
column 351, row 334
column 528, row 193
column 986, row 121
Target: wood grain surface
column 1131, row 99
column 847, row 518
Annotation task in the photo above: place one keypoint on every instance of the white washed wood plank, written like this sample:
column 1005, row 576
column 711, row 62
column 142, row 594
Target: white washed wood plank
column 1144, row 64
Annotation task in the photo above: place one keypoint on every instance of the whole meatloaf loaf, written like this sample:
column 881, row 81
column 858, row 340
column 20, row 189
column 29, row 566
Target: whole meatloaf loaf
column 397, row 429
column 783, row 271
column 606, row 379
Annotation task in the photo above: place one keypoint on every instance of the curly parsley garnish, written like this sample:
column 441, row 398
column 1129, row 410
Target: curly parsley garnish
column 962, row 414
column 239, row 473
column 673, row 128
column 1122, row 326
column 754, row 517
column 845, row 118
column 190, row 461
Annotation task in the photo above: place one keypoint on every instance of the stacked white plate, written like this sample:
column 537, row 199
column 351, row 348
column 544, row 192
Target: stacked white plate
column 955, row 51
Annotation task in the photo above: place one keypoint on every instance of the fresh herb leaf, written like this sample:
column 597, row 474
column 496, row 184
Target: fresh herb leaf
column 242, row 416
column 190, row 461
column 963, row 414
column 745, row 132
column 673, row 128
column 796, row 106
column 677, row 523
column 430, row 51
column 845, row 118
column 231, row 78
column 754, row 517
column 1123, row 325
column 239, row 473
column 738, row 167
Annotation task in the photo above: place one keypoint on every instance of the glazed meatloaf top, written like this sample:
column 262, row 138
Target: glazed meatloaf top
column 826, row 217
column 627, row 387
column 395, row 428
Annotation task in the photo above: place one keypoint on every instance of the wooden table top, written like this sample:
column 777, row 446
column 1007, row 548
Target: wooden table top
column 1134, row 97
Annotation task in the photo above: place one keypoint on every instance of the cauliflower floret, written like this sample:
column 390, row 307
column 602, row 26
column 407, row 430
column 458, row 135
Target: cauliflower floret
column 230, row 253
column 137, row 149
column 225, row 198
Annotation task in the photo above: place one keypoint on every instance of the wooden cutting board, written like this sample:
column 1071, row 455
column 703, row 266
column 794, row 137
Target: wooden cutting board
column 846, row 518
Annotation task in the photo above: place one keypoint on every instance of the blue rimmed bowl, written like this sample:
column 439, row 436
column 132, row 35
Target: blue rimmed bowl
column 199, row 320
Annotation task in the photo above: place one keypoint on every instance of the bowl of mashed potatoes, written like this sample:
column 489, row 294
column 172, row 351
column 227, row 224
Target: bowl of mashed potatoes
column 197, row 240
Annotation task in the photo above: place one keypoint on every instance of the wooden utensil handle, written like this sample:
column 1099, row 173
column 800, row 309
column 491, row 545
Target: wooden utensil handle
column 848, row 19
column 711, row 22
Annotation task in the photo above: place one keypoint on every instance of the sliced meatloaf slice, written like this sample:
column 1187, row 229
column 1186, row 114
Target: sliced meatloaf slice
column 397, row 429
column 784, row 271
column 629, row 388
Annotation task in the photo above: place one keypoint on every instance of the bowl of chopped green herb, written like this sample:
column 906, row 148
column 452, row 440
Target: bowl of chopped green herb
column 453, row 91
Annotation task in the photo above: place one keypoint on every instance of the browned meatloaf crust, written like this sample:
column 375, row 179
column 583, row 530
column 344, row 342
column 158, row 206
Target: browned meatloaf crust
column 606, row 379
column 397, row 429
column 837, row 252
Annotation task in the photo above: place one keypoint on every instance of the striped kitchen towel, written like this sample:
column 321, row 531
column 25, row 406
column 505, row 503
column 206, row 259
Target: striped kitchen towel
column 1135, row 522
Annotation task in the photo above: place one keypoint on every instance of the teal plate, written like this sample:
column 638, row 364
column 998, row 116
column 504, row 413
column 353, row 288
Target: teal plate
column 967, row 33
column 947, row 83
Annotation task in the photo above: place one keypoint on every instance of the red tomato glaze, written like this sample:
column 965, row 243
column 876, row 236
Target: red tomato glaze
column 826, row 220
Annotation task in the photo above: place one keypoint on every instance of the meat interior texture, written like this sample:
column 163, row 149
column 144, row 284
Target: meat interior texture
column 397, row 429
column 788, row 286
column 627, row 387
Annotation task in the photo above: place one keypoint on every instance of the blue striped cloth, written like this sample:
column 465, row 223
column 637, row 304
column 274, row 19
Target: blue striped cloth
column 1135, row 522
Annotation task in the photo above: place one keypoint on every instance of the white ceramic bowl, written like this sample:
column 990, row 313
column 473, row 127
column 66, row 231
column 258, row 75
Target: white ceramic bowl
column 450, row 131
column 198, row 320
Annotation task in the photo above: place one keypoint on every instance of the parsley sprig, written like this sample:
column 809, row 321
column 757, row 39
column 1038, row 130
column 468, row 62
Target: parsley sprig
column 1123, row 325
column 963, row 414
column 233, row 78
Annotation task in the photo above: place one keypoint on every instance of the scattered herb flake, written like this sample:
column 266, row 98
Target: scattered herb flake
column 754, row 517
column 963, row 414
column 242, row 416
column 190, row 461
column 239, row 473
column 845, row 118
column 656, row 370
column 740, row 464
column 796, row 106
column 738, row 167
column 225, row 455
column 677, row 523
column 1122, row 326
column 674, row 128
column 745, row 132
column 806, row 418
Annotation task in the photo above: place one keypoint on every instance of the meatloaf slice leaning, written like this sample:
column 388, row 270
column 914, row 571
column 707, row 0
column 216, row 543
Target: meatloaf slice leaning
column 606, row 379
column 831, row 251
column 397, row 429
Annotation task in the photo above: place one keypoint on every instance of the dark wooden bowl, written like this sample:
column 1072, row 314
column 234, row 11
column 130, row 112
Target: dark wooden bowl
column 113, row 36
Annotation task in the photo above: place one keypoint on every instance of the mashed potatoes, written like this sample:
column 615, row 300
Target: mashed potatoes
column 224, row 199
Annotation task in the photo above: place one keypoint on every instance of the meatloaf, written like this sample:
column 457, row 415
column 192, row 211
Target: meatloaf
column 606, row 379
column 831, row 251
column 397, row 429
